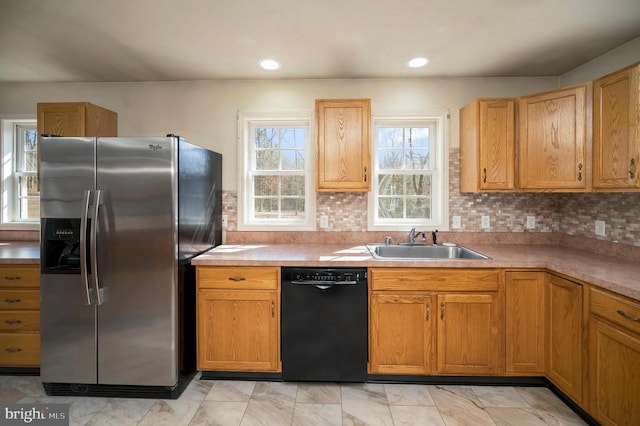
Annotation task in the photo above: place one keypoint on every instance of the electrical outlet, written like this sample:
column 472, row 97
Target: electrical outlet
column 486, row 222
column 324, row 221
column 456, row 223
column 601, row 228
column 224, row 221
column 531, row 222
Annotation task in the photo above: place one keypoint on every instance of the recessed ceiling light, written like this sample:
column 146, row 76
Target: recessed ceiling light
column 418, row 62
column 269, row 64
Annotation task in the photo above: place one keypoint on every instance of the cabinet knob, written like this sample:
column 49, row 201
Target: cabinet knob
column 632, row 168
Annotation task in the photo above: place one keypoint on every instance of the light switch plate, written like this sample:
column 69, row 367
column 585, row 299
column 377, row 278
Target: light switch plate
column 224, row 221
column 601, row 228
column 324, row 221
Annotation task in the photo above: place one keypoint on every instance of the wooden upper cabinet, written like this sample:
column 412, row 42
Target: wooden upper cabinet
column 554, row 152
column 343, row 145
column 487, row 145
column 616, row 131
column 76, row 119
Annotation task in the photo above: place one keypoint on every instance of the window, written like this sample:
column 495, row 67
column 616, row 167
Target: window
column 276, row 188
column 20, row 192
column 409, row 188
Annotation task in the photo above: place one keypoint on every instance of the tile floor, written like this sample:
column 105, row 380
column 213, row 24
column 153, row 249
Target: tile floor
column 220, row 402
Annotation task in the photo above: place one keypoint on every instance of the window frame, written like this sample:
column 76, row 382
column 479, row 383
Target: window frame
column 246, row 220
column 9, row 181
column 439, row 174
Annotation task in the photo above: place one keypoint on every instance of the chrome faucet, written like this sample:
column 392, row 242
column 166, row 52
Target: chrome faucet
column 413, row 234
column 433, row 237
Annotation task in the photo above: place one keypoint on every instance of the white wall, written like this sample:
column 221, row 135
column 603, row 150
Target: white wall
column 204, row 112
column 620, row 57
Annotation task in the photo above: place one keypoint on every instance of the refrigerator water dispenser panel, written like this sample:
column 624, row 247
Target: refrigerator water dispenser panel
column 60, row 246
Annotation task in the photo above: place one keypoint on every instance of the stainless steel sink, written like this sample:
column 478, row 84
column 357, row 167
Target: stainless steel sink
column 423, row 252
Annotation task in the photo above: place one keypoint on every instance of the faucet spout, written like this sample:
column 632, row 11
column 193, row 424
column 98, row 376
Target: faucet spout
column 433, row 237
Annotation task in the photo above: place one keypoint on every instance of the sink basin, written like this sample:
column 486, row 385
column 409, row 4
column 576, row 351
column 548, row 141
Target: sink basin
column 423, row 252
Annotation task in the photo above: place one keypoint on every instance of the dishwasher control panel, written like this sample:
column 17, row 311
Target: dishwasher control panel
column 327, row 275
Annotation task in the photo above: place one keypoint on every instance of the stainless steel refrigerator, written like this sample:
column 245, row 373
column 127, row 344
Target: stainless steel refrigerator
column 120, row 220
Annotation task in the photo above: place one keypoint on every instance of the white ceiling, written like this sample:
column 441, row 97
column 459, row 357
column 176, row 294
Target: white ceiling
column 165, row 40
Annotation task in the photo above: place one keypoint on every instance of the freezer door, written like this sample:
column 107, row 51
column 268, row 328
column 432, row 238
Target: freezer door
column 136, row 261
column 67, row 323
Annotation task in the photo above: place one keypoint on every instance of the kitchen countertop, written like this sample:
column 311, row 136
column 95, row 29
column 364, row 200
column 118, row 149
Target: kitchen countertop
column 611, row 273
column 20, row 252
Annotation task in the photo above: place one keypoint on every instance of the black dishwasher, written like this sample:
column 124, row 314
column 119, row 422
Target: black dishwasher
column 324, row 324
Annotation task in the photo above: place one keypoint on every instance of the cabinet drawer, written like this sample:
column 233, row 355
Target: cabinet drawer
column 433, row 279
column 240, row 277
column 19, row 320
column 621, row 311
column 19, row 299
column 19, row 276
column 19, row 349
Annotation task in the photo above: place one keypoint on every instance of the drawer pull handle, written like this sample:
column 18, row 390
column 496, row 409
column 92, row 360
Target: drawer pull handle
column 632, row 168
column 428, row 311
column 273, row 309
column 580, row 172
column 623, row 314
column 10, row 278
column 237, row 279
column 13, row 350
column 484, row 175
column 13, row 322
column 442, row 311
column 12, row 300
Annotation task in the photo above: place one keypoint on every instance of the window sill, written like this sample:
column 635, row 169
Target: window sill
column 20, row 227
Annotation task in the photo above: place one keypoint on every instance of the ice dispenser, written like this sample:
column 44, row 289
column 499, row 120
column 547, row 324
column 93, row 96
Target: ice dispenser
column 60, row 246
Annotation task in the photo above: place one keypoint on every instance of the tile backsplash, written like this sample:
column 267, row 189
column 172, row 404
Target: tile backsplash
column 571, row 213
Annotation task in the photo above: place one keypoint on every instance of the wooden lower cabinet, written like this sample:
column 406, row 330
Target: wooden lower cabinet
column 427, row 331
column 238, row 319
column 469, row 334
column 19, row 316
column 525, row 320
column 614, row 359
column 402, row 338
column 565, row 336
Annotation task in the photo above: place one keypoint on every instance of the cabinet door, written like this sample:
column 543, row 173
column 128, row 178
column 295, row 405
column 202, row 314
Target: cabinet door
column 525, row 304
column 343, row 145
column 468, row 334
column 616, row 131
column 614, row 358
column 565, row 336
column 487, row 145
column 401, row 334
column 553, row 140
column 64, row 119
column 238, row 330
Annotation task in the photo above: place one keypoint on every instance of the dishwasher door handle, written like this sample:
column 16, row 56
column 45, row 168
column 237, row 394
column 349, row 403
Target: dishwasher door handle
column 323, row 283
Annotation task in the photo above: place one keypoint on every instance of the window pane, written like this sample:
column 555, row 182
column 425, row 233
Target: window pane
column 265, row 185
column 391, row 207
column 390, row 159
column 292, row 138
column 266, row 138
column 28, row 186
column 29, row 208
column 391, row 184
column 418, row 184
column 292, row 207
column 292, row 160
column 292, row 185
column 419, row 208
column 267, row 159
column 31, row 160
column 266, row 208
column 416, row 159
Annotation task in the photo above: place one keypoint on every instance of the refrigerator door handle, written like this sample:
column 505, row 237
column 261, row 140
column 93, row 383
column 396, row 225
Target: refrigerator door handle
column 86, row 200
column 93, row 244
